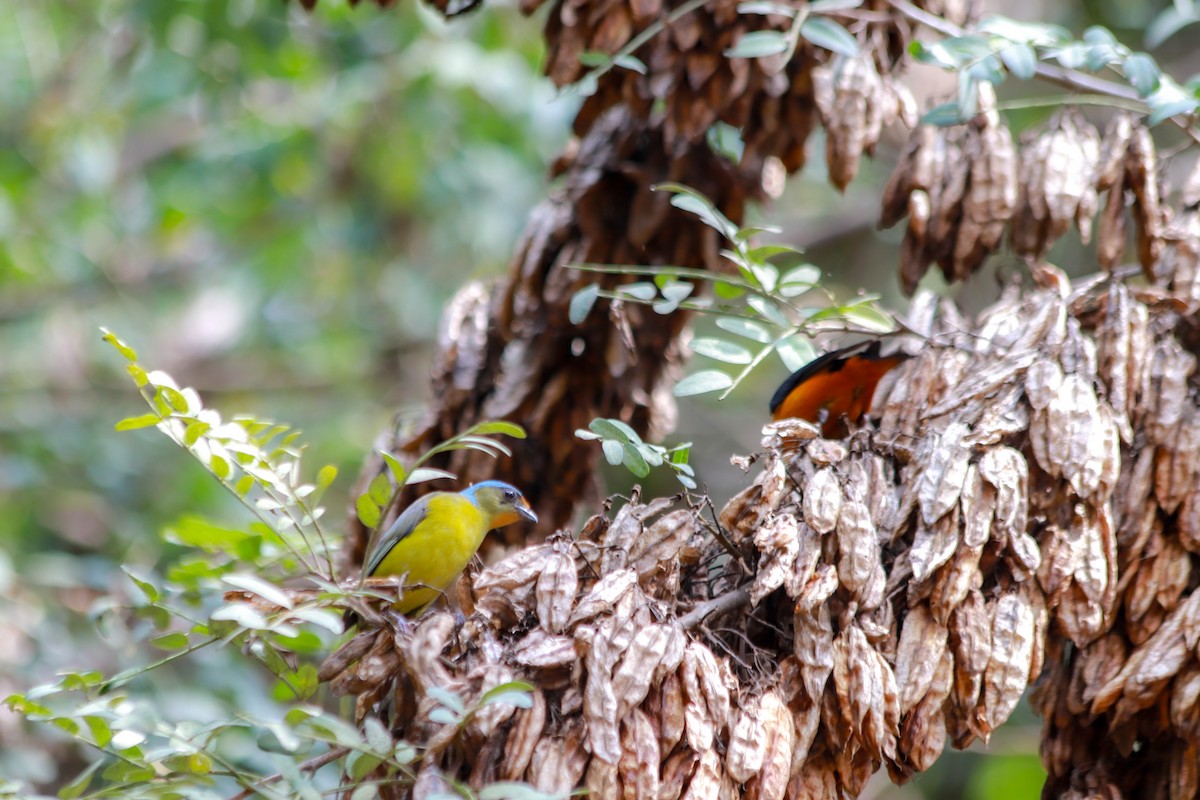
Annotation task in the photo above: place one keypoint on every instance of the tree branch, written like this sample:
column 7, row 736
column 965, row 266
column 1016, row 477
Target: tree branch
column 726, row 602
column 311, row 765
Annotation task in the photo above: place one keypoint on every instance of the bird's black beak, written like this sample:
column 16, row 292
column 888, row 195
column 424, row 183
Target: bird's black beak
column 526, row 512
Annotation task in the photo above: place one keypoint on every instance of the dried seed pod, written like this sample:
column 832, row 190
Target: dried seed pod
column 1180, row 262
column 1007, row 671
column 1164, row 389
column 1112, row 232
column 655, row 651
column 977, row 503
column 914, row 171
column 1141, row 176
column 923, row 734
column 945, row 457
column 640, row 757
column 555, row 591
column 771, row 781
column 822, row 500
column 922, row 645
column 1151, row 665
column 544, row 651
column 622, row 532
column 1089, row 145
column 748, row 742
column 517, row 571
column 1115, row 340
column 946, row 197
column 1177, row 464
column 706, row 779
column 934, row 545
column 1185, row 698
column 1188, row 521
column 1111, row 165
column 990, row 200
column 778, row 545
column 676, row 772
column 604, row 596
column 485, row 722
column 707, row 708
column 813, row 631
column 954, row 581
column 671, row 711
column 1083, row 445
column 524, row 736
column 1005, row 469
column 1031, row 219
column 1068, row 172
column 600, row 701
column 809, row 545
column 603, row 779
column 661, row 542
column 857, row 545
column 745, row 512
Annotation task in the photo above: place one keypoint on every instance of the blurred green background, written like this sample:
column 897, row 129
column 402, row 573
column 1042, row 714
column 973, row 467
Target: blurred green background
column 273, row 206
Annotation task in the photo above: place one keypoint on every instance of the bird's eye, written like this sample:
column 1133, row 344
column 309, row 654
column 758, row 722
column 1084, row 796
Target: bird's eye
column 510, row 495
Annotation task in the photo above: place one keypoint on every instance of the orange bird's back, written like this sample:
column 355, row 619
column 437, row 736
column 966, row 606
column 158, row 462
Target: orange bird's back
column 834, row 388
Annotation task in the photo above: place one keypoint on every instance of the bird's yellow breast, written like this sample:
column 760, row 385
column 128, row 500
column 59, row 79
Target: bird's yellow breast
column 437, row 550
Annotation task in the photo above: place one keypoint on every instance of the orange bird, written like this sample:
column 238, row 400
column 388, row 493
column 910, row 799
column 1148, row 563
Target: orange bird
column 834, row 388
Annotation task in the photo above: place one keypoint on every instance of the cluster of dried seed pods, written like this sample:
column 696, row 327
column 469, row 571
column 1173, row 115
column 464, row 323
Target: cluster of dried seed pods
column 958, row 188
column 689, row 75
column 1026, row 512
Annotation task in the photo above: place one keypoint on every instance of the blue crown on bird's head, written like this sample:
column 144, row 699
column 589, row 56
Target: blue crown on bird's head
column 470, row 490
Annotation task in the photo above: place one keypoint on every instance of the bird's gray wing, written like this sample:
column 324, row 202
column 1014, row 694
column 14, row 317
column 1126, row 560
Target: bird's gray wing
column 405, row 524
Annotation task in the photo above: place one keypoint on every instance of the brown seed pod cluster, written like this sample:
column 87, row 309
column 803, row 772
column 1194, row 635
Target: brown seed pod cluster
column 1024, row 514
column 958, row 188
column 688, row 74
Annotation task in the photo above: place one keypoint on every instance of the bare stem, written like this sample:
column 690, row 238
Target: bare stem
column 726, row 602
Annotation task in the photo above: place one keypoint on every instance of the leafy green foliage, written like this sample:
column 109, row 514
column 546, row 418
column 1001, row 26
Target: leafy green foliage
column 1000, row 46
column 258, row 462
column 760, row 305
column 146, row 751
column 622, row 445
column 805, row 24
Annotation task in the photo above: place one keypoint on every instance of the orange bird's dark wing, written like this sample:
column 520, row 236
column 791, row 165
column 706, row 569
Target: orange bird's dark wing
column 834, row 388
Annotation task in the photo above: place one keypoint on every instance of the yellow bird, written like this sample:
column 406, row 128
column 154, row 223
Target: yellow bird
column 434, row 539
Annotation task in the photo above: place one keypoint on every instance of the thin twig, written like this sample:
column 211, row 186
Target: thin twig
column 722, row 537
column 311, row 765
